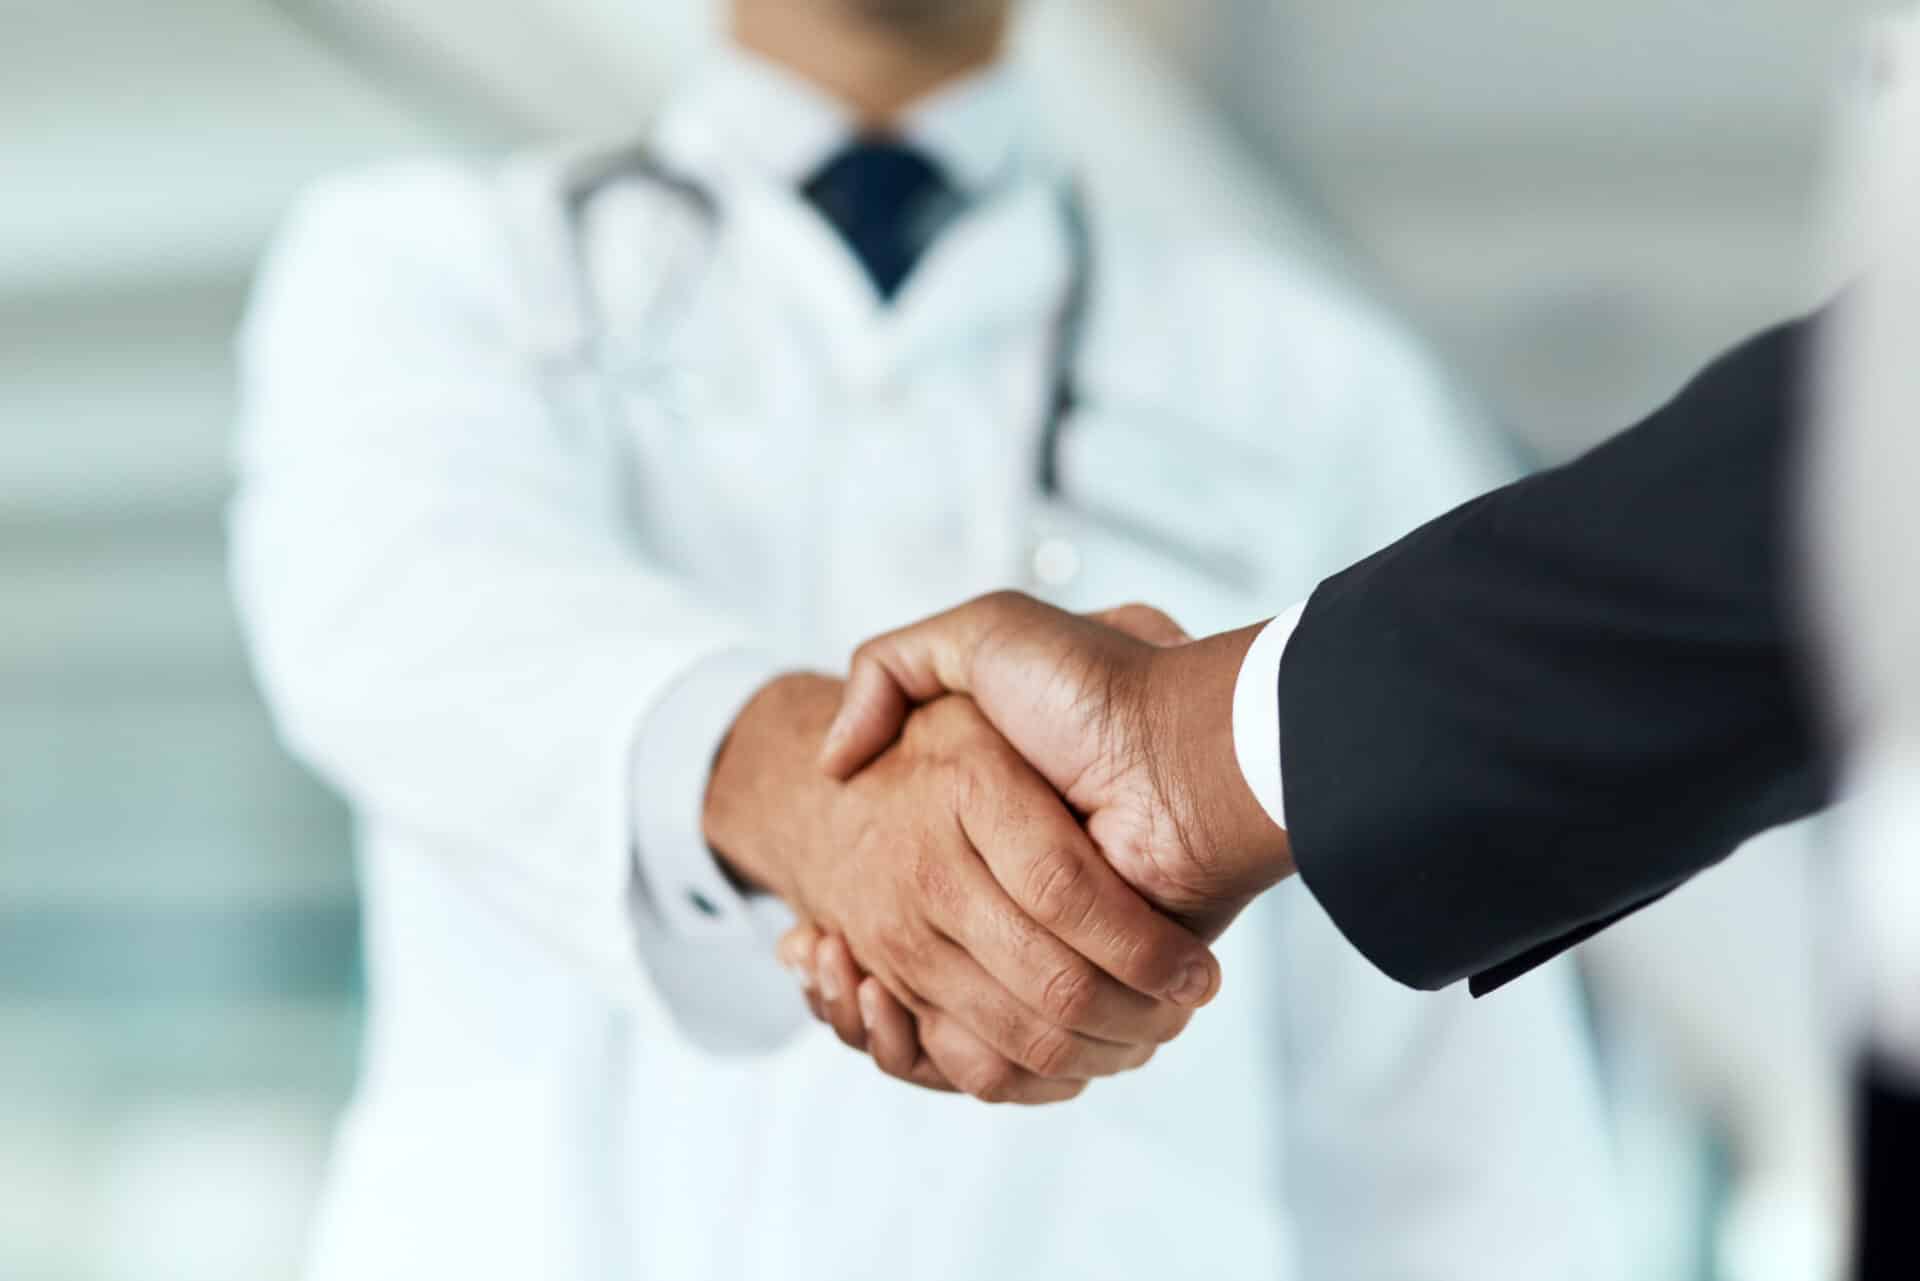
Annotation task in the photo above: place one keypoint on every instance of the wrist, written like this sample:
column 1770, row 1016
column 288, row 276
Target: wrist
column 1189, row 694
column 764, row 790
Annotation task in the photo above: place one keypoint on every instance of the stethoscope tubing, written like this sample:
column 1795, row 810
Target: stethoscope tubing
column 1070, row 322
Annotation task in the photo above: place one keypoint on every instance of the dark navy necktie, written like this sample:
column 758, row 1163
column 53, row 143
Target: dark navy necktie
column 888, row 202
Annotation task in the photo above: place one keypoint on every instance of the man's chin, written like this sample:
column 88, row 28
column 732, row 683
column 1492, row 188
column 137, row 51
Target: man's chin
column 924, row 15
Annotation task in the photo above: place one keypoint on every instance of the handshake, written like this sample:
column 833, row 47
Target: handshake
column 1010, row 836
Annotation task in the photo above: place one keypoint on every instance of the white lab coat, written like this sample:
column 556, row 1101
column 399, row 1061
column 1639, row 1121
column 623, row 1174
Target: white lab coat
column 470, row 587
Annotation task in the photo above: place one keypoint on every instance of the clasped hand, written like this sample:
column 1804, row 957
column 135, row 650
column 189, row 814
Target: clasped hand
column 1010, row 841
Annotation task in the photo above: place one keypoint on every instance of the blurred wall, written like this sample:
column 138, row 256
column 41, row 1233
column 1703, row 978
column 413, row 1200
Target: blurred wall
column 177, row 933
column 1580, row 202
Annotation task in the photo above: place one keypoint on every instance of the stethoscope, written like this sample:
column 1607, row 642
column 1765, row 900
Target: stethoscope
column 1055, row 557
column 1062, row 399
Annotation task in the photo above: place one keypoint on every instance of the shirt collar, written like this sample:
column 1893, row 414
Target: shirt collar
column 754, row 114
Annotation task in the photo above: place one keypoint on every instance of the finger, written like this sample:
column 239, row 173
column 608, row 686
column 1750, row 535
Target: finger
column 1143, row 623
column 974, row 1067
column 891, row 674
column 894, row 1040
column 955, row 984
column 873, row 708
column 1050, row 868
column 1037, row 967
column 795, row 954
column 839, row 980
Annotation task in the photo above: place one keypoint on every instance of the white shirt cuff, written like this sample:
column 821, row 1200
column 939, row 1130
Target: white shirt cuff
column 1256, row 714
column 672, row 764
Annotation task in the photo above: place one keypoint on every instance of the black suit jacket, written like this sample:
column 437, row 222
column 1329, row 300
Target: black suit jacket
column 1550, row 707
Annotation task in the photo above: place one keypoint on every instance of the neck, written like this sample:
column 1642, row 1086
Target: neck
column 878, row 66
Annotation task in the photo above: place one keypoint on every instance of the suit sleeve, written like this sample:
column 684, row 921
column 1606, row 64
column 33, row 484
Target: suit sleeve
column 1553, row 705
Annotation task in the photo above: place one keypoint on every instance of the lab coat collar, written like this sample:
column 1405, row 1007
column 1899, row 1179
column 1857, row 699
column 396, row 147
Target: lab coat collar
column 751, row 117
column 757, row 131
column 1000, row 268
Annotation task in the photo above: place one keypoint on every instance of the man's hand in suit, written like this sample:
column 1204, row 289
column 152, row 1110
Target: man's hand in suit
column 1120, row 714
column 959, row 880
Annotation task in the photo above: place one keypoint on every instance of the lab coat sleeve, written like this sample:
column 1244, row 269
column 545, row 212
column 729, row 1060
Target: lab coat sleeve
column 1430, row 1137
column 446, row 615
column 673, row 762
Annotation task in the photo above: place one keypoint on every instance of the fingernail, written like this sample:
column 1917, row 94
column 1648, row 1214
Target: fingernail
column 801, row 975
column 830, row 984
column 869, row 1002
column 1193, row 985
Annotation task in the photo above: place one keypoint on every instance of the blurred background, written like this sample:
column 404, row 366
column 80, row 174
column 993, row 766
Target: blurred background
column 1577, row 203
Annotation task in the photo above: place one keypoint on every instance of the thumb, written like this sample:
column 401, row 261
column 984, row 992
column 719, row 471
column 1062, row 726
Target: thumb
column 892, row 674
column 872, row 710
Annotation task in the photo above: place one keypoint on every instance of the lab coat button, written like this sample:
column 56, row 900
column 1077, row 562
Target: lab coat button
column 702, row 904
column 1056, row 562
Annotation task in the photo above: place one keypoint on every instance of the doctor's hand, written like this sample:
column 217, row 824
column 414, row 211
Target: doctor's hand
column 960, row 882
column 1127, row 720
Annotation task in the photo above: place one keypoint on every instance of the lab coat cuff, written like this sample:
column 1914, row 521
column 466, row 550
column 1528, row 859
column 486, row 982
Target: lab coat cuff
column 1256, row 714
column 673, row 757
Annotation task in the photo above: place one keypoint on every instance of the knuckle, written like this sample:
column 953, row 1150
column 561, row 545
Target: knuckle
column 1051, row 1053
column 903, row 951
column 1068, row 995
column 1001, row 600
column 970, row 742
column 916, row 1005
column 1059, row 892
column 930, row 876
column 1158, row 961
column 959, row 774
column 1173, row 1025
column 992, row 1080
column 1143, row 960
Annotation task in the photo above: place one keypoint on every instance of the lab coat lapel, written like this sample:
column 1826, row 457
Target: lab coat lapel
column 797, row 262
column 1001, row 268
